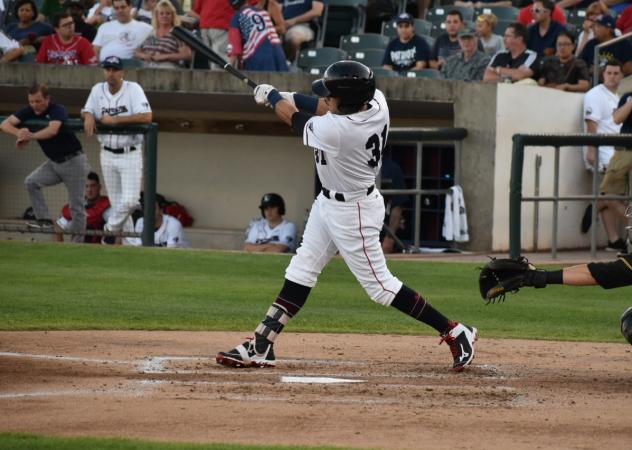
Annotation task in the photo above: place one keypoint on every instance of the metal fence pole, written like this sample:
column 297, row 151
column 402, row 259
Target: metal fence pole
column 515, row 195
column 418, row 174
column 149, row 195
column 556, row 202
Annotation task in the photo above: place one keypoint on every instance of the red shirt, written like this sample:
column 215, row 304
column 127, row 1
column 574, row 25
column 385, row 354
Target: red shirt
column 624, row 23
column 78, row 51
column 214, row 13
column 526, row 15
column 94, row 216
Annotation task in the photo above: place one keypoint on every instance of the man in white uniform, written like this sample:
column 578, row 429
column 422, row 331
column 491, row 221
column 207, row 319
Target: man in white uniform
column 271, row 233
column 168, row 231
column 346, row 129
column 122, row 36
column 118, row 102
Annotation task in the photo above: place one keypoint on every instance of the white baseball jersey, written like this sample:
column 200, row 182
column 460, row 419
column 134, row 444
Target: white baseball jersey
column 7, row 44
column 260, row 232
column 129, row 100
column 121, row 39
column 170, row 233
column 348, row 148
column 599, row 105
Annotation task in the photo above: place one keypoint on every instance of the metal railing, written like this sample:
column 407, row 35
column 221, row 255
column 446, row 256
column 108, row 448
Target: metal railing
column 418, row 136
column 520, row 141
column 598, row 47
column 149, row 167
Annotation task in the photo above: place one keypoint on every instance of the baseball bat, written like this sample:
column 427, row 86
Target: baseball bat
column 196, row 44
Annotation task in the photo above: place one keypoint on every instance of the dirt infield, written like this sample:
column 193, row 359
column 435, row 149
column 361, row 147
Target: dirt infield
column 166, row 386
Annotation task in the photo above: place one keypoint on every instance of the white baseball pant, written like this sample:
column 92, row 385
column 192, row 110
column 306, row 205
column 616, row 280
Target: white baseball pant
column 353, row 228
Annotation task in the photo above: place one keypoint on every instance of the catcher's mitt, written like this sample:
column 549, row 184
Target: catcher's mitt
column 500, row 276
column 626, row 324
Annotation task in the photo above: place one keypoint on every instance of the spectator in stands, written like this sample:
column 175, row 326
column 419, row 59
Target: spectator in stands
column 298, row 14
column 64, row 47
column 624, row 22
column 564, row 71
column 526, row 16
column 161, row 49
column 253, row 42
column 51, row 7
column 492, row 43
column 271, row 233
column 604, row 28
column 447, row 43
column 214, row 16
column 593, row 11
column 97, row 209
column 28, row 31
column 101, row 12
column 275, row 10
column 120, row 37
column 146, row 10
column 470, row 63
column 168, row 231
column 76, row 9
column 408, row 51
column 543, row 33
column 515, row 64
column 10, row 49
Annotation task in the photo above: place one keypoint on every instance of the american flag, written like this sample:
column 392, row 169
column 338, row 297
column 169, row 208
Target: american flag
column 256, row 27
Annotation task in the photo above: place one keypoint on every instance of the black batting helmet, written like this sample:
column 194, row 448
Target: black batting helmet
column 351, row 82
column 272, row 199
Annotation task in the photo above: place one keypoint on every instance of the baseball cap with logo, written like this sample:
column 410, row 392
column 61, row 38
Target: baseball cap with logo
column 467, row 32
column 113, row 62
column 405, row 18
column 607, row 21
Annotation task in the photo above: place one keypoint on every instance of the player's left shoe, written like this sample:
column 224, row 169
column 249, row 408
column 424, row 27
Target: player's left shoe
column 244, row 355
column 461, row 340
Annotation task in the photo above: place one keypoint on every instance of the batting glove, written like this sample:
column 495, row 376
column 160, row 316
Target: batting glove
column 261, row 94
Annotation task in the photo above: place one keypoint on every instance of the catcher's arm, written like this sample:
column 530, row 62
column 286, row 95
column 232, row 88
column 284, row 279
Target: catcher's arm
column 500, row 276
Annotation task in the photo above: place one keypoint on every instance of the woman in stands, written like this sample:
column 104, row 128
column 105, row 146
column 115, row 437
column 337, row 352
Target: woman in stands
column 27, row 31
column 161, row 49
column 492, row 43
column 593, row 11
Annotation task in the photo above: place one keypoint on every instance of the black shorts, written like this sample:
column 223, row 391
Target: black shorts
column 613, row 274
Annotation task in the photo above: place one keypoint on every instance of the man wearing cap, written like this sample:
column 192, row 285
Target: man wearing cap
column 118, row 102
column 470, row 63
column 408, row 51
column 543, row 33
column 604, row 29
column 122, row 36
column 64, row 47
column 76, row 9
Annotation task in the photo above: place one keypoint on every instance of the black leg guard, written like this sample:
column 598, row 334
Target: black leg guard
column 414, row 305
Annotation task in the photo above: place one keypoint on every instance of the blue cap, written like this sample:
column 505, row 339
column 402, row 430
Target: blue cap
column 606, row 21
column 113, row 62
column 405, row 17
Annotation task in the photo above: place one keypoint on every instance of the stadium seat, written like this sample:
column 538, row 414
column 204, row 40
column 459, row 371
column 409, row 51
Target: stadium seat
column 424, row 73
column 382, row 72
column 429, row 40
column 501, row 26
column 353, row 42
column 501, row 12
column 369, row 57
column 576, row 17
column 319, row 57
column 343, row 17
column 437, row 15
column 422, row 27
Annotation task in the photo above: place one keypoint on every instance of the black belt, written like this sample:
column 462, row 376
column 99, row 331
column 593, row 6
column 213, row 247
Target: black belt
column 66, row 157
column 118, row 151
column 340, row 197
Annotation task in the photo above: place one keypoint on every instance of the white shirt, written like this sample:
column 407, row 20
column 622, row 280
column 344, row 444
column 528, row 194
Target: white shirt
column 599, row 105
column 107, row 13
column 260, row 232
column 129, row 100
column 170, row 234
column 121, row 39
column 348, row 148
column 7, row 44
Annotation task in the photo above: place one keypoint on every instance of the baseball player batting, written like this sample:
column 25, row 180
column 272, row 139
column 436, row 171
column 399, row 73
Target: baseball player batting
column 346, row 128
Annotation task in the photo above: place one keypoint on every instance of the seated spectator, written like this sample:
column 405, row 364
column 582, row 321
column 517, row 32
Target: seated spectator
column 51, row 7
column 120, row 37
column 408, row 51
column 76, row 9
column 483, row 4
column 470, row 63
column 563, row 71
column 543, row 33
column 10, row 49
column 604, row 29
column 492, row 43
column 168, row 231
column 161, row 49
column 624, row 22
column 146, row 11
column 64, row 47
column 526, row 16
column 97, row 210
column 253, row 43
column 515, row 64
column 271, row 233
column 447, row 43
column 101, row 12
column 27, row 31
column 593, row 11
column 298, row 14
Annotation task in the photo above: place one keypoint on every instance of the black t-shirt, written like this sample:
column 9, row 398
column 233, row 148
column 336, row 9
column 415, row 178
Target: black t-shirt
column 621, row 51
column 64, row 143
column 85, row 30
column 404, row 56
column 544, row 45
column 528, row 58
column 626, row 126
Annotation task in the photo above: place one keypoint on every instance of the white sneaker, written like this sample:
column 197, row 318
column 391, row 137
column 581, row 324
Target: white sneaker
column 461, row 340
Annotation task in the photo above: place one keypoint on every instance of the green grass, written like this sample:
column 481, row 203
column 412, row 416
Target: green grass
column 71, row 287
column 20, row 441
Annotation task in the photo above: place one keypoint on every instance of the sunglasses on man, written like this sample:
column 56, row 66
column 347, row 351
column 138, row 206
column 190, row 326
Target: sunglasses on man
column 538, row 10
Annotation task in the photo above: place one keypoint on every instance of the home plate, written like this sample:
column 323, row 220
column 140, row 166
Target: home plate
column 319, row 380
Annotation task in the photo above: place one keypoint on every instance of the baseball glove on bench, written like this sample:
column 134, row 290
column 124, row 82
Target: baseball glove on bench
column 500, row 276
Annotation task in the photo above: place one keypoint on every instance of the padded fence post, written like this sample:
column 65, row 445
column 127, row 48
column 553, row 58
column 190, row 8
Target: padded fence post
column 515, row 195
column 149, row 196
